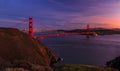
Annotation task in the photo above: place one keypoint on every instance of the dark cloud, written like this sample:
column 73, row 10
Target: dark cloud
column 55, row 12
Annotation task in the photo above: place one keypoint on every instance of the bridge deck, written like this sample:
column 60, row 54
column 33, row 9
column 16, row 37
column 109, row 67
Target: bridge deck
column 65, row 34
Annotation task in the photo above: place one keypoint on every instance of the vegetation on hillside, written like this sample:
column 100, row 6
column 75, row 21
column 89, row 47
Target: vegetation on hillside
column 81, row 67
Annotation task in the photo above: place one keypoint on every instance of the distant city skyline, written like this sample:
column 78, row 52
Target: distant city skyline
column 61, row 14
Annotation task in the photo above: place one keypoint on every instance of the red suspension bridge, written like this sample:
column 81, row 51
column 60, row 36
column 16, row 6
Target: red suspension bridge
column 31, row 32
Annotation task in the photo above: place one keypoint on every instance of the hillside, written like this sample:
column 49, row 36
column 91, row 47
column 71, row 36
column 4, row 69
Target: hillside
column 99, row 31
column 17, row 49
column 82, row 67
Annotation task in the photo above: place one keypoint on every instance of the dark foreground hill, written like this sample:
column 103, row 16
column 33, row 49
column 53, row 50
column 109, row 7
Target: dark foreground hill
column 19, row 50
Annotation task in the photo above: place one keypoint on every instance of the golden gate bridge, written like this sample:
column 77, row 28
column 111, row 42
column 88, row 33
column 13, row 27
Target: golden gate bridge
column 31, row 32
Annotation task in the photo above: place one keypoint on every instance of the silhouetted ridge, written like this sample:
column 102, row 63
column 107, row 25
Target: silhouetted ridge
column 17, row 48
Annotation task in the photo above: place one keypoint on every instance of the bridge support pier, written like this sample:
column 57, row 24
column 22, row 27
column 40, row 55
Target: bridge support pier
column 31, row 29
column 88, row 31
column 88, row 28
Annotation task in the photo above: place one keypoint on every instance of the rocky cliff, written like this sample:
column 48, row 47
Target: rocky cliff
column 114, row 63
column 17, row 49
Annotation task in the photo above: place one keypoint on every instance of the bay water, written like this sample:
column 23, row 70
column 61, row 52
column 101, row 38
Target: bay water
column 78, row 49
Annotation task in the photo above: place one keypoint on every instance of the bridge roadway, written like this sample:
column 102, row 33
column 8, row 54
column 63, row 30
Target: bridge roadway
column 65, row 34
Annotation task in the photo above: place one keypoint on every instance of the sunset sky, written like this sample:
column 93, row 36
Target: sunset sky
column 60, row 14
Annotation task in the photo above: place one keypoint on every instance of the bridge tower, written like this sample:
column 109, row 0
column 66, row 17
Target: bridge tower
column 87, row 31
column 31, row 28
column 88, row 28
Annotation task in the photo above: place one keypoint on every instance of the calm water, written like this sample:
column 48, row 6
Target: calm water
column 78, row 49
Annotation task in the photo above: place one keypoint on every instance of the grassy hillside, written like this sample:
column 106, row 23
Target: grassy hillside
column 18, row 49
column 81, row 67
